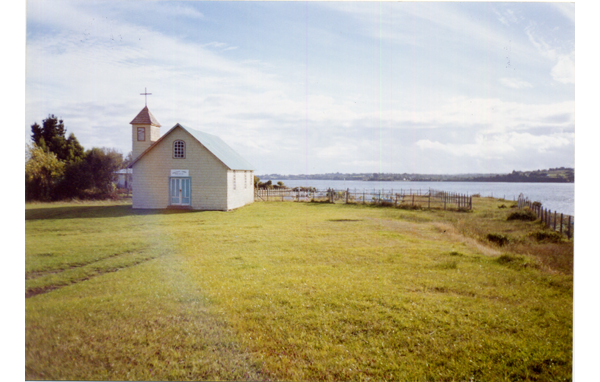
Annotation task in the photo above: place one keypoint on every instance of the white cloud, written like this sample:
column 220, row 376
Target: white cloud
column 507, row 16
column 564, row 63
column 564, row 70
column 501, row 146
column 180, row 10
column 515, row 83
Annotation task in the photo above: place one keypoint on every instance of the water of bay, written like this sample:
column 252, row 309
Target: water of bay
column 558, row 197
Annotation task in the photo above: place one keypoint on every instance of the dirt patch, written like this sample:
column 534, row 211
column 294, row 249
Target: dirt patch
column 451, row 233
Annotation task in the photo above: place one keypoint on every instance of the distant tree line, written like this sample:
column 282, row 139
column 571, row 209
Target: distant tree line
column 561, row 175
column 57, row 167
column 554, row 175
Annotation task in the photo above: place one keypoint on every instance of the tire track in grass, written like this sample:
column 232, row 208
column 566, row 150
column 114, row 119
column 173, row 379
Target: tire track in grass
column 79, row 273
column 35, row 274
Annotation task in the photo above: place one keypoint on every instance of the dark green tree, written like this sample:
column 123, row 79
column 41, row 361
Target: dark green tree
column 75, row 151
column 50, row 137
column 102, row 164
column 91, row 177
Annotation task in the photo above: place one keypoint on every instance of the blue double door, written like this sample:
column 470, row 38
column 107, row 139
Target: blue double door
column 180, row 191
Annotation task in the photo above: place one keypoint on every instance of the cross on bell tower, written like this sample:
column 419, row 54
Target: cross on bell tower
column 145, row 94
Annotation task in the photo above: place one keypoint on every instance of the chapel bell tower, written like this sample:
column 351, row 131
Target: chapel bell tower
column 145, row 131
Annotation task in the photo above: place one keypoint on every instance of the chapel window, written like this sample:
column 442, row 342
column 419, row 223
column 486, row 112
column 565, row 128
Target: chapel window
column 234, row 180
column 179, row 149
column 141, row 133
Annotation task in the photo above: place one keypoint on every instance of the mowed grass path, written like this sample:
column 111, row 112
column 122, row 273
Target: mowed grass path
column 290, row 291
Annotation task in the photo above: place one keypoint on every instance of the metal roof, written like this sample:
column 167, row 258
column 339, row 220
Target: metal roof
column 220, row 149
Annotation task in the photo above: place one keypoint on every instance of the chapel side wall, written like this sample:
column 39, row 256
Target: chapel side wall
column 208, row 175
column 244, row 188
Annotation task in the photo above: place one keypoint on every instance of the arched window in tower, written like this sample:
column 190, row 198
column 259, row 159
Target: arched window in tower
column 141, row 133
column 179, row 149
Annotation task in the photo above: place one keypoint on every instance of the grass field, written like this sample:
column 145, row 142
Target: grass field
column 294, row 291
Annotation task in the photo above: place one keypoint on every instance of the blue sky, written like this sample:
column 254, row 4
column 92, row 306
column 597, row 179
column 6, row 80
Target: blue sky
column 304, row 88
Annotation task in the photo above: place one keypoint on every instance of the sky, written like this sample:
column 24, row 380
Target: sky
column 316, row 87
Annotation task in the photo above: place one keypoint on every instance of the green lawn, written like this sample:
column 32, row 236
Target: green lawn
column 293, row 291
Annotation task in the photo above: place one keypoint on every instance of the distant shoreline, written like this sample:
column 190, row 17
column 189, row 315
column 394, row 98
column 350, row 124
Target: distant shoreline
column 423, row 180
column 552, row 175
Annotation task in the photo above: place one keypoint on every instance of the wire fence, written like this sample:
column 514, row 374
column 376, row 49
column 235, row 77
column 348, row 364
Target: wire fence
column 563, row 223
column 415, row 198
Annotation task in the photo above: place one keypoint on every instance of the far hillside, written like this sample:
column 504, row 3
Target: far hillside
column 553, row 175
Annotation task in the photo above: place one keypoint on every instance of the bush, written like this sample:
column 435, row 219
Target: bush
column 547, row 236
column 497, row 238
column 526, row 215
column 515, row 261
column 502, row 206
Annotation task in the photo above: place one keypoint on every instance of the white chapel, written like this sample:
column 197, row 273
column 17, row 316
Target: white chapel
column 186, row 168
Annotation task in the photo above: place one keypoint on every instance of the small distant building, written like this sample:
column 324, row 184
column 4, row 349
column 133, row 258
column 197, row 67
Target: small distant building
column 124, row 178
column 186, row 168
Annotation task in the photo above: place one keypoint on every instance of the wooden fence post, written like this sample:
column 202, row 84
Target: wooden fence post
column 569, row 228
column 555, row 220
column 561, row 223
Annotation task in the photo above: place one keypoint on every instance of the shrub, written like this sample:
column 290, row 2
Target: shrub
column 476, row 196
column 409, row 206
column 502, row 206
column 518, row 262
column 526, row 215
column 547, row 236
column 497, row 238
column 536, row 204
column 505, row 259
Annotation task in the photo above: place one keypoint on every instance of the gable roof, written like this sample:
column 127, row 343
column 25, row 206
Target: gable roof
column 144, row 117
column 213, row 144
